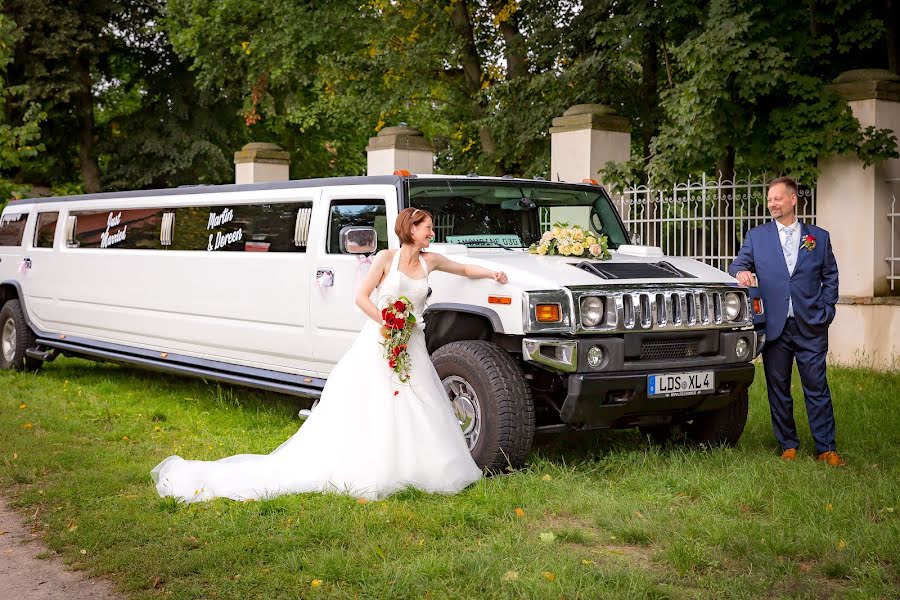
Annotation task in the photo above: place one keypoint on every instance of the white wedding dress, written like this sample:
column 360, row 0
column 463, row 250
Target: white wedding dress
column 363, row 439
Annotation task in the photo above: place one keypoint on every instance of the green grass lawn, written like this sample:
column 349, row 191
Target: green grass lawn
column 591, row 516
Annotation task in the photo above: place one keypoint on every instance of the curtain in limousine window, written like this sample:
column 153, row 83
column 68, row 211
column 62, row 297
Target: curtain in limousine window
column 238, row 228
column 12, row 229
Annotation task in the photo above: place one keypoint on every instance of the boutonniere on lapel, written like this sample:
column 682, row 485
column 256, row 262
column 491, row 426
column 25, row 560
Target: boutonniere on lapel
column 809, row 242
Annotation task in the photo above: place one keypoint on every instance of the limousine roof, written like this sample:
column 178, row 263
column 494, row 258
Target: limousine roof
column 395, row 180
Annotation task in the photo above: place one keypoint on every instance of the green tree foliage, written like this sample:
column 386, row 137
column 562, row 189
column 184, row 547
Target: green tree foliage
column 19, row 138
column 146, row 93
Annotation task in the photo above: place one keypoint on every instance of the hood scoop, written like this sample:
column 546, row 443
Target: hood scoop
column 660, row 270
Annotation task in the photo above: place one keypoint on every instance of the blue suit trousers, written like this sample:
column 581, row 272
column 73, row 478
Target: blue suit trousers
column 778, row 359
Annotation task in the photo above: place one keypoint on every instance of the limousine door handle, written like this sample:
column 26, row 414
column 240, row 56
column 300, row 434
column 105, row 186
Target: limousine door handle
column 324, row 278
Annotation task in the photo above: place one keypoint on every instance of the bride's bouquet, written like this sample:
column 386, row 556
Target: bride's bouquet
column 398, row 322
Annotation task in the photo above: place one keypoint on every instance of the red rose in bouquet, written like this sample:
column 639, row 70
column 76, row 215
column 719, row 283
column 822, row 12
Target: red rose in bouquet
column 399, row 321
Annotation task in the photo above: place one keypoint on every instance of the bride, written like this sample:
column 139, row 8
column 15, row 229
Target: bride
column 371, row 434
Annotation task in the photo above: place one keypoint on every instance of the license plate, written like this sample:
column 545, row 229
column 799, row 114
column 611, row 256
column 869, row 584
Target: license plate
column 680, row 384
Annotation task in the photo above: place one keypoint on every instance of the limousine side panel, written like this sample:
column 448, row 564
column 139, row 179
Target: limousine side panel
column 248, row 308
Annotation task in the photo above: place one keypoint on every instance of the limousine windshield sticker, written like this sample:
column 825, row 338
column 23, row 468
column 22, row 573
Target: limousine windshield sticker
column 107, row 239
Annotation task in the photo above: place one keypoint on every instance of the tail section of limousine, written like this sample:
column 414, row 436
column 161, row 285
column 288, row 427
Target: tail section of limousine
column 217, row 282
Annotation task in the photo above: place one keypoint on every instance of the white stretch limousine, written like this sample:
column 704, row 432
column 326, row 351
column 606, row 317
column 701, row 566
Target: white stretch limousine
column 254, row 285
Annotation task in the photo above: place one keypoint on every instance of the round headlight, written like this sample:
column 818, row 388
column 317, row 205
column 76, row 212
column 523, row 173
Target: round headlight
column 595, row 356
column 742, row 348
column 592, row 310
column 732, row 306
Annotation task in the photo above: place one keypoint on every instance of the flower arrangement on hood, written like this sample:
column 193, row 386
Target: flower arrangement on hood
column 571, row 241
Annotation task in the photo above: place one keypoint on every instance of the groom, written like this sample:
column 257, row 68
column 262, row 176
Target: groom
column 798, row 280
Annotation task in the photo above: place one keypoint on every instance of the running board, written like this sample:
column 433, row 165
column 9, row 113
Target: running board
column 181, row 368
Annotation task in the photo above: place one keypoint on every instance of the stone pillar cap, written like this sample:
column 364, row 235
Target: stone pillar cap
column 262, row 152
column 867, row 84
column 590, row 116
column 400, row 136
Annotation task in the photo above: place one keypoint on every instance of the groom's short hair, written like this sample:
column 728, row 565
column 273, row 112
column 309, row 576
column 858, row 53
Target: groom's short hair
column 789, row 184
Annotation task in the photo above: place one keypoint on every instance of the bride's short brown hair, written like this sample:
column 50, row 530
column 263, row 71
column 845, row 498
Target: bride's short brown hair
column 406, row 220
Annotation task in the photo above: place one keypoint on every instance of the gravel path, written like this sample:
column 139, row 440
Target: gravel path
column 23, row 576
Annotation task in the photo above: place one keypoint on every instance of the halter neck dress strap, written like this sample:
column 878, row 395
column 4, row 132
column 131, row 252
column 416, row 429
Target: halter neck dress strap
column 395, row 262
column 424, row 264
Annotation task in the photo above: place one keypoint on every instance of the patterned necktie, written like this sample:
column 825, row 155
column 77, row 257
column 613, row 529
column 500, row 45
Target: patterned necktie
column 788, row 247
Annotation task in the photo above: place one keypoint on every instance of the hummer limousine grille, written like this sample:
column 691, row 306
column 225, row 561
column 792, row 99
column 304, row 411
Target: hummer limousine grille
column 672, row 309
column 669, row 349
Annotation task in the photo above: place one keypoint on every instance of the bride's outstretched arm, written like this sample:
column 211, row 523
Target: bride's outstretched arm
column 440, row 262
column 370, row 282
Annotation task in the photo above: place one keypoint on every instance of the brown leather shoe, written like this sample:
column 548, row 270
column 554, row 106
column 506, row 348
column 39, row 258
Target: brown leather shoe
column 832, row 459
column 789, row 454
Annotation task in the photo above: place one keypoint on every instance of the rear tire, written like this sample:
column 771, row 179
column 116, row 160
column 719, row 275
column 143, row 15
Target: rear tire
column 15, row 338
column 722, row 427
column 491, row 399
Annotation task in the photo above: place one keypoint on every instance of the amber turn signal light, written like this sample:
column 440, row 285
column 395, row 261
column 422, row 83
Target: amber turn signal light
column 499, row 300
column 547, row 313
column 590, row 181
column 402, row 173
column 757, row 306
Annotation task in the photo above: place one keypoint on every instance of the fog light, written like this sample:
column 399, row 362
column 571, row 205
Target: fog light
column 741, row 349
column 595, row 356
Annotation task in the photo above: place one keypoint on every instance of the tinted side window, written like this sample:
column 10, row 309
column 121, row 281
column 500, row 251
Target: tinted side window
column 45, row 229
column 239, row 228
column 129, row 229
column 362, row 213
column 12, row 229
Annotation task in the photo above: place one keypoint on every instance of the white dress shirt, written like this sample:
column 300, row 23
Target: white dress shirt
column 790, row 250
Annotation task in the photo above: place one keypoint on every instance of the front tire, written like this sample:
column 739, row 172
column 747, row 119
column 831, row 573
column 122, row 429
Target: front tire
column 15, row 338
column 722, row 427
column 491, row 400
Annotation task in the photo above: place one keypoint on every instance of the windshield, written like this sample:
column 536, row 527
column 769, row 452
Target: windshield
column 495, row 214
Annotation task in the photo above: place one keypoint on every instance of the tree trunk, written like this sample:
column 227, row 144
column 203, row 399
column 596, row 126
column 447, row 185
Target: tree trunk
column 514, row 42
column 891, row 17
column 84, row 107
column 649, row 102
column 472, row 72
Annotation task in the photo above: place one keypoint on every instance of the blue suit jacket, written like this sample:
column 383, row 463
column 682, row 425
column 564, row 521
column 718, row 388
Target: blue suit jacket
column 813, row 287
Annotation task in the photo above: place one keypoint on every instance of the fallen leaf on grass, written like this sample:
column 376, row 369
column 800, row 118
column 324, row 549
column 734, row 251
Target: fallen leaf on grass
column 27, row 425
column 549, row 576
column 125, row 438
column 841, row 544
column 23, row 405
column 828, row 506
column 315, row 583
column 362, row 501
column 586, row 562
column 519, row 512
column 15, row 456
column 805, row 567
column 3, row 532
column 638, row 514
column 510, row 576
column 83, row 551
column 546, row 477
column 72, row 526
column 548, row 537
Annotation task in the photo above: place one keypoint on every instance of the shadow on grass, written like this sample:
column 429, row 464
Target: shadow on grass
column 206, row 394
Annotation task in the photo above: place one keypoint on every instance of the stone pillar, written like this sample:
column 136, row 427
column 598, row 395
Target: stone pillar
column 259, row 162
column 584, row 139
column 852, row 203
column 400, row 147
